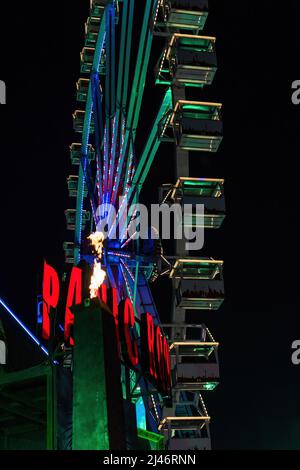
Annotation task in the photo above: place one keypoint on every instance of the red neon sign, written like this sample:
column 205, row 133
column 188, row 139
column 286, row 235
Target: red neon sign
column 155, row 353
column 155, row 357
column 74, row 297
column 126, row 313
column 50, row 296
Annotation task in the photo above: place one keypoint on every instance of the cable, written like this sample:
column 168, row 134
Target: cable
column 34, row 338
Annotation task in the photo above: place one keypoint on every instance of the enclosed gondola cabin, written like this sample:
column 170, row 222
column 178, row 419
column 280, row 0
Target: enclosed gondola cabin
column 188, row 60
column 201, row 284
column 197, row 126
column 206, row 191
column 75, row 153
column 181, row 16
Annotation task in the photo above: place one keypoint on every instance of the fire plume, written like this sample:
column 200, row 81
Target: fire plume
column 98, row 276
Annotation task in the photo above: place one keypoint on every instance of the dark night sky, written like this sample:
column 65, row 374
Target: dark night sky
column 257, row 404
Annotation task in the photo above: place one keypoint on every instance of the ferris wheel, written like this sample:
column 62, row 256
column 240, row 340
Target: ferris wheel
column 106, row 167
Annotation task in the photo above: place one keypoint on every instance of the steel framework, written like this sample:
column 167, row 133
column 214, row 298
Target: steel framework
column 106, row 167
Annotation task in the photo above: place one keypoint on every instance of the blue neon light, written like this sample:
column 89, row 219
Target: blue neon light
column 37, row 342
column 141, row 414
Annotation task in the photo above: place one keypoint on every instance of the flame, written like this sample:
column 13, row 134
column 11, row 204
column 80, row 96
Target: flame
column 97, row 279
column 98, row 275
column 97, row 239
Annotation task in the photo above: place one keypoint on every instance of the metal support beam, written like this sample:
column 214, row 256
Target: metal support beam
column 85, row 141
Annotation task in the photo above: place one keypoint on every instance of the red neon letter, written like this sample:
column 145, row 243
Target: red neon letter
column 74, row 297
column 150, row 336
column 128, row 319
column 159, row 347
column 50, row 296
column 102, row 293
column 113, row 305
column 167, row 362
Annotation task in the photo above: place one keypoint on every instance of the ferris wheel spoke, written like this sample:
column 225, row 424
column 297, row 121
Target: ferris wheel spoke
column 85, row 141
column 126, row 280
column 105, row 161
column 99, row 131
column 122, row 90
column 129, row 165
column 128, row 270
column 109, row 94
column 125, row 80
column 111, row 277
column 90, row 184
column 137, row 87
column 133, row 276
column 141, row 68
column 110, row 98
column 146, row 159
column 111, row 163
column 152, row 144
column 136, row 279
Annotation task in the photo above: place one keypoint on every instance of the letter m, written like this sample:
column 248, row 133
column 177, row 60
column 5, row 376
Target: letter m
column 165, row 212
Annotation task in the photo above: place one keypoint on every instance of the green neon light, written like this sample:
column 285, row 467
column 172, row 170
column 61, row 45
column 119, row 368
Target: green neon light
column 200, row 264
column 137, row 87
column 210, row 385
column 195, row 44
column 201, row 183
column 203, row 349
column 141, row 414
column 156, row 441
column 198, row 107
column 151, row 147
column 194, row 85
column 189, row 84
column 162, row 82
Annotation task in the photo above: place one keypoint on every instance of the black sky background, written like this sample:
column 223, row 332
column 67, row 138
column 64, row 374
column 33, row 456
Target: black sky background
column 257, row 404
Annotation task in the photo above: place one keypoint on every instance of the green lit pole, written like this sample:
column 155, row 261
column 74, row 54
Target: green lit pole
column 85, row 141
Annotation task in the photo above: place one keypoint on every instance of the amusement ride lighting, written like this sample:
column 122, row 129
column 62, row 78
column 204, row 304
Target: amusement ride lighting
column 193, row 343
column 98, row 275
column 37, row 342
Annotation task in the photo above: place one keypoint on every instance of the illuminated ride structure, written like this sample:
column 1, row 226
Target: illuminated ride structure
column 110, row 168
column 106, row 166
